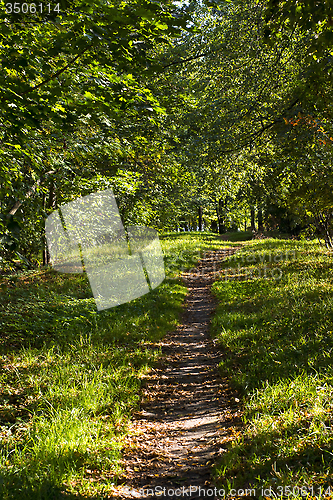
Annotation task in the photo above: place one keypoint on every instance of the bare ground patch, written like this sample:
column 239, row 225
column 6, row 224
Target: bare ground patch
column 188, row 412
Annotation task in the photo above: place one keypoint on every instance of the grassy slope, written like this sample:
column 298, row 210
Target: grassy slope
column 274, row 323
column 70, row 376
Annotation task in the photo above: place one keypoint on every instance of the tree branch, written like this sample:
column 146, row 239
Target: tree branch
column 55, row 75
column 181, row 61
column 252, row 137
column 274, row 122
column 18, row 203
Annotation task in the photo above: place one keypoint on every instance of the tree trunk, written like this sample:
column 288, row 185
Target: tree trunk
column 45, row 252
column 221, row 227
column 253, row 225
column 200, row 218
column 51, row 204
column 328, row 237
column 322, row 222
column 220, row 216
column 260, row 220
column 18, row 203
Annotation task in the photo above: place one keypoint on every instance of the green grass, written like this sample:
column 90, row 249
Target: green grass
column 238, row 235
column 274, row 324
column 70, row 376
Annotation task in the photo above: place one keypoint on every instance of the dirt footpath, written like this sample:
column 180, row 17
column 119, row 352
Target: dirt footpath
column 188, row 411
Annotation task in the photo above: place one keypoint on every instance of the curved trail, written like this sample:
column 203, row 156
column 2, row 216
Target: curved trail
column 188, row 410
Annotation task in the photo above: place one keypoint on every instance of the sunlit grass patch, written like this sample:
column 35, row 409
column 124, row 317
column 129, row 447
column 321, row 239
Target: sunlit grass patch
column 278, row 342
column 183, row 250
column 71, row 376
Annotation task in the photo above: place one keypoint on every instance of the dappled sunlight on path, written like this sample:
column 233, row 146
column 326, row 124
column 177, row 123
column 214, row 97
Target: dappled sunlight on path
column 188, row 410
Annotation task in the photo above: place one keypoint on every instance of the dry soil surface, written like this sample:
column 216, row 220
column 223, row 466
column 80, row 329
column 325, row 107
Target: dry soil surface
column 188, row 412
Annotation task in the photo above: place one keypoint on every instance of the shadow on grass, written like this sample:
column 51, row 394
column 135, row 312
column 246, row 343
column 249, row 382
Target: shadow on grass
column 277, row 338
column 45, row 490
column 203, row 235
column 35, row 318
column 88, row 362
column 269, row 469
column 71, row 374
